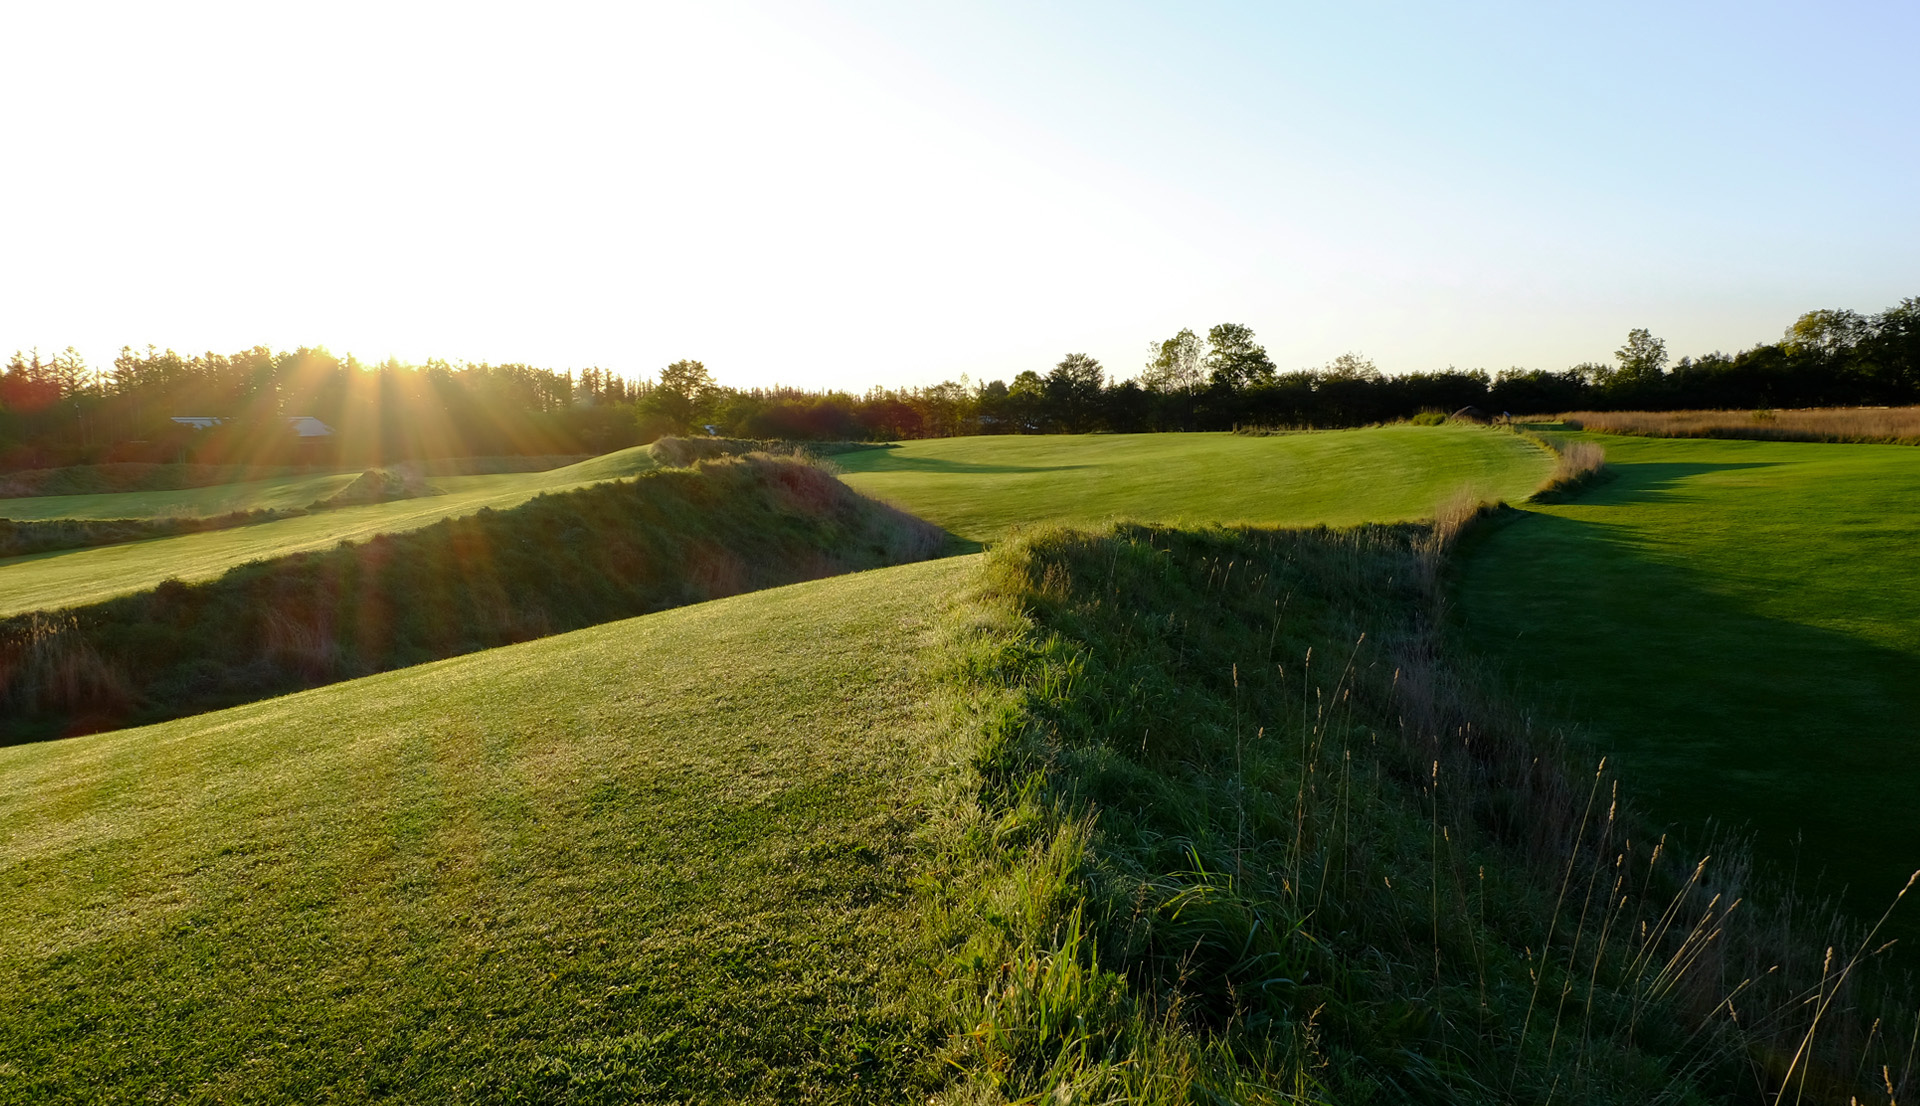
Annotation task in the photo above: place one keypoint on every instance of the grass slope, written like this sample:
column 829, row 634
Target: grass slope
column 216, row 499
column 980, row 488
column 561, row 561
column 1738, row 623
column 48, row 581
column 660, row 858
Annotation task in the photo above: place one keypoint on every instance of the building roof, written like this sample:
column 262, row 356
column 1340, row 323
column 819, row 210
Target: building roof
column 306, row 426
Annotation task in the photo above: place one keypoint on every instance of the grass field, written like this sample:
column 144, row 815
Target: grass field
column 980, row 488
column 1738, row 623
column 46, row 581
column 218, row 499
column 665, row 854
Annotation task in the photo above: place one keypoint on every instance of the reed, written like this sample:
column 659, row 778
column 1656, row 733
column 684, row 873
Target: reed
column 1892, row 425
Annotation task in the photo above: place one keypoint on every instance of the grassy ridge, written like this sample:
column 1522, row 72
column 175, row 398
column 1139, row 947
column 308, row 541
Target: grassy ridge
column 53, row 580
column 555, row 563
column 665, row 858
column 1243, row 833
column 21, row 538
column 981, row 488
column 195, row 502
column 1737, row 623
column 1148, row 815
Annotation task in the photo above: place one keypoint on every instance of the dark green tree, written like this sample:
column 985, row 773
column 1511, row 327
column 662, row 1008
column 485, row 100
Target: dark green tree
column 681, row 397
column 1234, row 360
column 1642, row 360
column 1073, row 392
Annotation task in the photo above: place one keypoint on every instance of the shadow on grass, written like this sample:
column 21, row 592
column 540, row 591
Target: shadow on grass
column 1642, row 482
column 1801, row 736
column 891, row 461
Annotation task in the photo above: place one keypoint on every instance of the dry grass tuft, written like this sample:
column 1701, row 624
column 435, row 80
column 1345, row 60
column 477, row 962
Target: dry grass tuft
column 1576, row 466
column 1890, row 425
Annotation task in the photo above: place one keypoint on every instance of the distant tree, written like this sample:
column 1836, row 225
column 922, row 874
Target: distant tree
column 1642, row 359
column 1073, row 392
column 947, row 409
column 1026, row 401
column 1891, row 354
column 1234, row 360
column 1352, row 366
column 683, row 394
column 1175, row 364
column 1827, row 333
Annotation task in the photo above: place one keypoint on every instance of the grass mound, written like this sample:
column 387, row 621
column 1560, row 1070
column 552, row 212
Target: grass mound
column 132, row 476
column 380, row 486
column 1578, row 465
column 664, row 859
column 1241, row 833
column 51, row 581
column 1152, row 816
column 556, row 563
column 673, row 451
column 19, row 539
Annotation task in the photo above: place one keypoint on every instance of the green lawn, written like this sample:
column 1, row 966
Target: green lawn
column 67, row 578
column 218, row 499
column 979, row 488
column 666, row 853
column 1739, row 624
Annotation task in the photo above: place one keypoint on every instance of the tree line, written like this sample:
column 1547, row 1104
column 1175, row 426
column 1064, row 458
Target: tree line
column 1225, row 379
column 58, row 411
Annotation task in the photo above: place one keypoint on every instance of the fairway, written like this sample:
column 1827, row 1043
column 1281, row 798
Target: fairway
column 67, row 578
column 663, row 853
column 1738, row 623
column 980, row 488
column 281, row 492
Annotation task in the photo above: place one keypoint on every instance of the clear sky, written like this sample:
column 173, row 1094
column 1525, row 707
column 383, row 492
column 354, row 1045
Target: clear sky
column 854, row 192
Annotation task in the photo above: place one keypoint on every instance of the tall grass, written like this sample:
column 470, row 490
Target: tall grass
column 18, row 538
column 558, row 562
column 674, row 451
column 1894, row 425
column 1235, row 828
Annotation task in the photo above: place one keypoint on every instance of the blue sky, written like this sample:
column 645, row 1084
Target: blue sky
column 854, row 193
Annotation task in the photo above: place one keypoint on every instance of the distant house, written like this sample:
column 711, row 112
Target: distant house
column 303, row 426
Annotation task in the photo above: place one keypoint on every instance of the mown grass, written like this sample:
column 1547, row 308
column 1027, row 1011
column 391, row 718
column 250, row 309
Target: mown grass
column 982, row 488
column 1241, row 830
column 49, row 581
column 281, row 492
column 1145, row 815
column 666, row 859
column 558, row 562
column 1736, row 622
column 22, row 538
